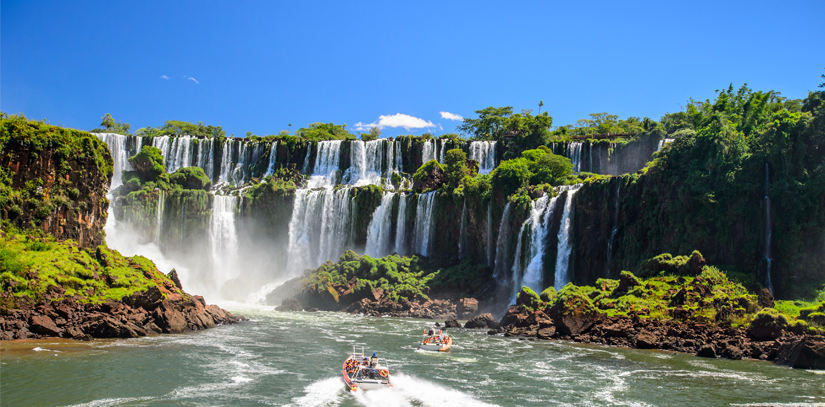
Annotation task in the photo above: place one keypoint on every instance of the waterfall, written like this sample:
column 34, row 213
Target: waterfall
column 462, row 235
column 224, row 238
column 209, row 167
column 427, row 152
column 529, row 264
column 484, row 152
column 371, row 163
column 574, row 152
column 226, row 161
column 273, row 157
column 768, row 230
column 117, row 144
column 565, row 245
column 442, row 150
column 159, row 215
column 378, row 232
column 399, row 160
column 490, row 259
column 179, row 153
column 320, row 227
column 424, row 223
column 238, row 171
column 401, row 225
column 590, row 153
column 502, row 243
column 325, row 168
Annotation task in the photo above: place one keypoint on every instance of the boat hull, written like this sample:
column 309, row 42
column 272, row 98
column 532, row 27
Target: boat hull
column 437, row 347
column 365, row 384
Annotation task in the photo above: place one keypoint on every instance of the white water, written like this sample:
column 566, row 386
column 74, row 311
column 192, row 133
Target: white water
column 424, row 221
column 529, row 261
column 502, row 243
column 427, row 152
column 484, row 152
column 118, row 146
column 442, row 150
column 371, row 163
column 574, row 153
column 325, row 167
column 273, row 157
column 226, row 161
column 224, row 239
column 320, row 228
column 378, row 232
column 565, row 247
column 401, row 225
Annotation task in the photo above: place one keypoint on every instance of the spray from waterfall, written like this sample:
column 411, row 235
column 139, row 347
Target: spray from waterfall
column 320, row 227
column 490, row 258
column 159, row 215
column 427, row 152
column 224, row 239
column 565, row 247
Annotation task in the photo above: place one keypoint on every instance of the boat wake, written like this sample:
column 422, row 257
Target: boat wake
column 407, row 391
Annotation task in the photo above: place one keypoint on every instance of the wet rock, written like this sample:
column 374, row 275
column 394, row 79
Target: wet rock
column 451, row 323
column 44, row 325
column 707, row 351
column 482, row 321
column 467, row 308
column 144, row 299
column 732, row 352
column 807, row 352
column 169, row 319
column 547, row 332
column 173, row 275
column 290, row 304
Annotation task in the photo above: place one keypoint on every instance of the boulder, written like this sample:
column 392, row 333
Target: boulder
column 482, row 321
column 768, row 324
column 528, row 298
column 547, row 332
column 647, row 340
column 451, row 323
column 707, row 351
column 732, row 352
column 290, row 304
column 807, row 352
column 169, row 318
column 467, row 308
column 144, row 299
column 44, row 325
column 173, row 275
column 627, row 281
column 765, row 298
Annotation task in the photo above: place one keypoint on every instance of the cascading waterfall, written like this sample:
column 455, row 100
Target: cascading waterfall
column 378, row 232
column 462, row 235
column 574, row 152
column 424, row 223
column 401, row 225
column 320, row 227
column 399, row 160
column 484, row 152
column 273, row 157
column 159, row 216
column 610, row 241
column 224, row 239
column 371, row 162
column 117, row 144
column 502, row 243
column 209, row 167
column 663, row 142
column 226, row 161
column 529, row 263
column 768, row 230
column 427, row 152
column 442, row 144
column 238, row 171
column 325, row 168
column 565, row 247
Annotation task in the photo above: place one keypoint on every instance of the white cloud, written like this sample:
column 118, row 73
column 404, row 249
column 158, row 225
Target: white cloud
column 451, row 116
column 191, row 79
column 165, row 77
column 397, row 120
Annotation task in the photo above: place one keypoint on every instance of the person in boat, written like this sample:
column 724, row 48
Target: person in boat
column 373, row 360
column 430, row 333
column 366, row 361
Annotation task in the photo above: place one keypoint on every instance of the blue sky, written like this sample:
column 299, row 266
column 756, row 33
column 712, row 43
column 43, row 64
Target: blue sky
column 260, row 65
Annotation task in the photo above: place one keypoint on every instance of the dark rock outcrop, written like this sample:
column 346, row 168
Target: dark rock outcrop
column 290, row 304
column 451, row 323
column 482, row 321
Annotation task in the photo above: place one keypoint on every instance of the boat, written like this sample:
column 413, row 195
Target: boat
column 365, row 373
column 433, row 341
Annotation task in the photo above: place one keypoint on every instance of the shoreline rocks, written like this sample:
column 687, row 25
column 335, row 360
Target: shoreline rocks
column 142, row 314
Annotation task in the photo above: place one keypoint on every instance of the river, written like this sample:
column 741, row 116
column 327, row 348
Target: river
column 294, row 359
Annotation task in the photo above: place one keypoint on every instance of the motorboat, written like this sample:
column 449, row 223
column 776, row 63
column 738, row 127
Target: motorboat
column 366, row 373
column 436, row 341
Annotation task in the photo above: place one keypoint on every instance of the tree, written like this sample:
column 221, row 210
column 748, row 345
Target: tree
column 541, row 104
column 108, row 122
column 489, row 125
column 455, row 163
column 373, row 134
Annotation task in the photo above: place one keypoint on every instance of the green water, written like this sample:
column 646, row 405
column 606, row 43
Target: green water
column 295, row 359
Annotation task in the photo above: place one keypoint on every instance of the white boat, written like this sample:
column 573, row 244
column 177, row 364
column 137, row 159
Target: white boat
column 365, row 373
column 440, row 341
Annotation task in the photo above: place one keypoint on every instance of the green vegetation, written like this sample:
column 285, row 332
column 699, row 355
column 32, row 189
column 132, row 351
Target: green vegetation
column 66, row 164
column 520, row 131
column 396, row 277
column 43, row 269
column 325, row 131
column 181, row 128
column 110, row 125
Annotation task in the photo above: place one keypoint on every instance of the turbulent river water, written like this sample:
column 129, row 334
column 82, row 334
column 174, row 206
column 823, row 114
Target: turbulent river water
column 294, row 359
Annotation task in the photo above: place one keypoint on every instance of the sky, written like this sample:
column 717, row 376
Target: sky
column 407, row 67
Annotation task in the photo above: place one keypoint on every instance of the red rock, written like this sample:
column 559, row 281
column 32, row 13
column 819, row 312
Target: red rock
column 44, row 325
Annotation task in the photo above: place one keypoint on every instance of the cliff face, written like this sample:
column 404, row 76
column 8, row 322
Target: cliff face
column 54, row 179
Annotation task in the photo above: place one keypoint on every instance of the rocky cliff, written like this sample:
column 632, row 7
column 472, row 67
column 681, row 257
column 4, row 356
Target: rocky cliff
column 54, row 179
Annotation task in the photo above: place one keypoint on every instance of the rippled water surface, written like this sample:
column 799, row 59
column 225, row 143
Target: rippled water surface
column 295, row 359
